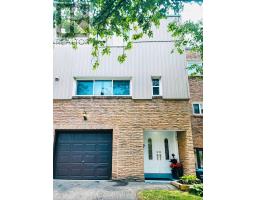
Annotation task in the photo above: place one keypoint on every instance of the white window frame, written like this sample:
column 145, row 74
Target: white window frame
column 160, row 88
column 200, row 108
column 101, row 79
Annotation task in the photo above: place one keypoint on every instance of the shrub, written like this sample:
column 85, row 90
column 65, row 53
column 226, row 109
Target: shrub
column 196, row 189
column 189, row 179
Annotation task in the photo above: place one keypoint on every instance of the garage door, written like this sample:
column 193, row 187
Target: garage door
column 83, row 155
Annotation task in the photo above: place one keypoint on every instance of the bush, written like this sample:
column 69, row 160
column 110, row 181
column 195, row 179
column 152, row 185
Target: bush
column 189, row 179
column 196, row 189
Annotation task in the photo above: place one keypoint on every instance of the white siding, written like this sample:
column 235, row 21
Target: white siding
column 144, row 61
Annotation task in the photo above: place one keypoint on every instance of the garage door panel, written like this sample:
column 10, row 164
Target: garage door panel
column 77, row 147
column 88, row 171
column 76, row 158
column 64, row 138
column 63, row 157
column 90, row 158
column 103, row 158
column 83, row 155
column 75, row 172
column 62, row 172
column 64, row 147
column 90, row 147
column 104, row 147
column 62, row 169
column 101, row 171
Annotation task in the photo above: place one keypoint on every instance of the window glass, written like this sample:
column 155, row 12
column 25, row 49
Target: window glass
column 166, row 147
column 155, row 90
column 199, row 157
column 121, row 87
column 84, row 88
column 196, row 109
column 201, row 105
column 150, row 153
column 103, row 87
column 156, row 87
column 155, row 82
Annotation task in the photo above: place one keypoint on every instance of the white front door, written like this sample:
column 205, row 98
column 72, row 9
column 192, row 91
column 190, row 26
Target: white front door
column 158, row 149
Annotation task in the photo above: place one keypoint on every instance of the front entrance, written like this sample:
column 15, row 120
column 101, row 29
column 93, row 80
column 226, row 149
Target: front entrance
column 158, row 149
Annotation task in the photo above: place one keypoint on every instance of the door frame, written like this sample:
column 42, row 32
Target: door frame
column 165, row 176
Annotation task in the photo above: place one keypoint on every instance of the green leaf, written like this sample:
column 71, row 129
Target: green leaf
column 96, row 65
column 137, row 36
column 128, row 46
column 106, row 51
column 100, row 20
column 122, row 58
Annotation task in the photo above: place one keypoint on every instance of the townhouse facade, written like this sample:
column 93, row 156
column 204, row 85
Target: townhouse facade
column 196, row 100
column 122, row 121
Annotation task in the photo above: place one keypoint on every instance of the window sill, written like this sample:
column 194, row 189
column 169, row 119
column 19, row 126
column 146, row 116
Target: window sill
column 197, row 115
column 101, row 97
column 157, row 97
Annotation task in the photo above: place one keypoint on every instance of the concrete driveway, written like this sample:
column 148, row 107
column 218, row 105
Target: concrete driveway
column 102, row 190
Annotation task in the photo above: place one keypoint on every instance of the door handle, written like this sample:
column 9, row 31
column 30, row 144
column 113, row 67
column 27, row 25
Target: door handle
column 158, row 155
column 82, row 161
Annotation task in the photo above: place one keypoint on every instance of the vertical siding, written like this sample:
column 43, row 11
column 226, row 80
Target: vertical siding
column 144, row 61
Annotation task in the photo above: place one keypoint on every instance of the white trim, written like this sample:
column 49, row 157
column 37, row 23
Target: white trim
column 74, row 89
column 200, row 104
column 100, row 78
column 161, row 130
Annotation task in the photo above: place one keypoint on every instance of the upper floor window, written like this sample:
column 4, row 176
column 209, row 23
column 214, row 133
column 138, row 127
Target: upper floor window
column 103, row 87
column 121, row 87
column 156, row 86
column 197, row 108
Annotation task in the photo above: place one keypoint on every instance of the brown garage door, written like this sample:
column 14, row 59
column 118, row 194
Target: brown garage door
column 83, row 155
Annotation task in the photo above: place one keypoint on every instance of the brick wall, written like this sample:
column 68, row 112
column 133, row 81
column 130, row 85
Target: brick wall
column 129, row 118
column 192, row 56
column 196, row 95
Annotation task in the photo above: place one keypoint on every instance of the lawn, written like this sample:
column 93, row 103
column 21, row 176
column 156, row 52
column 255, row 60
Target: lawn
column 166, row 195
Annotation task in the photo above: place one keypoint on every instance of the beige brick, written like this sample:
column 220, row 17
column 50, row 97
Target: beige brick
column 128, row 119
column 196, row 95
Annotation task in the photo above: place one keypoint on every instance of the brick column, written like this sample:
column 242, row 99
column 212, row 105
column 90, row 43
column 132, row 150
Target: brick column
column 186, row 151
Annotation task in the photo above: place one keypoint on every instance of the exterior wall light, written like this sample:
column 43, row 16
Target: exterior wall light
column 85, row 115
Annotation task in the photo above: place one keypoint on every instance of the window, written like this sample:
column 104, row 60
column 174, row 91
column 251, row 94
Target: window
column 156, row 87
column 197, row 108
column 121, row 87
column 166, row 147
column 84, row 88
column 150, row 153
column 103, row 87
column 199, row 157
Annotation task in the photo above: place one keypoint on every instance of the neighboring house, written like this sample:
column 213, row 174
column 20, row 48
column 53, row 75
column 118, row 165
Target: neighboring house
column 196, row 100
column 122, row 121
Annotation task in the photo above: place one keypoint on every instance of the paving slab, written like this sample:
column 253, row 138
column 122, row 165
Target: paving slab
column 103, row 190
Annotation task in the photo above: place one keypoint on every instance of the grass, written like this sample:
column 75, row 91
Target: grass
column 166, row 195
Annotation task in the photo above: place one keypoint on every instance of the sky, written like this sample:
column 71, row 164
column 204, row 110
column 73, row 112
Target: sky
column 192, row 12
